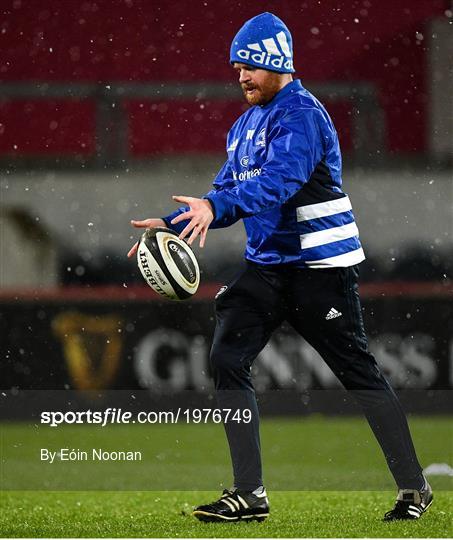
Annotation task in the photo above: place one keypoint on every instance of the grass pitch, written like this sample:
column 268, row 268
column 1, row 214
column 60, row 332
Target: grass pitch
column 315, row 471
column 167, row 514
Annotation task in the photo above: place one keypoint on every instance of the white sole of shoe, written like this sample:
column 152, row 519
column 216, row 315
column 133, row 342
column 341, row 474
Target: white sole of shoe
column 208, row 516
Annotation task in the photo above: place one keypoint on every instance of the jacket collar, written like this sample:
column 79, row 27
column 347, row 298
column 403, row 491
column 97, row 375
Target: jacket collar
column 290, row 88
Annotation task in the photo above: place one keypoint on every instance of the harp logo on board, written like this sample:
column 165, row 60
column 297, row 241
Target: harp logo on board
column 91, row 346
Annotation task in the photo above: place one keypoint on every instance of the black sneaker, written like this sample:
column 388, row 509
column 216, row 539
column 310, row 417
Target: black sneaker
column 235, row 505
column 410, row 504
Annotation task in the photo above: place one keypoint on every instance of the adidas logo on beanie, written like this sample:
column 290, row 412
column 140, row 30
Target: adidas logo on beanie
column 264, row 42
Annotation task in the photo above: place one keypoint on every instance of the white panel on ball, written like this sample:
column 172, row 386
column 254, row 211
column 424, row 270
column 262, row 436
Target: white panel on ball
column 152, row 273
column 163, row 239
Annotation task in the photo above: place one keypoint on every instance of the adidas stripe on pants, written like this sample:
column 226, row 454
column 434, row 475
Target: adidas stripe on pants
column 247, row 313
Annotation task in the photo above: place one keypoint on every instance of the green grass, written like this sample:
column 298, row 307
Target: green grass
column 167, row 514
column 326, row 478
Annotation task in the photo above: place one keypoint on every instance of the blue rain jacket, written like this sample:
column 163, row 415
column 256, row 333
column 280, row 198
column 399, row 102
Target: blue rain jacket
column 283, row 178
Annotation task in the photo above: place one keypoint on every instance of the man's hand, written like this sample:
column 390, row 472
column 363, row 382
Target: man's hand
column 200, row 214
column 144, row 224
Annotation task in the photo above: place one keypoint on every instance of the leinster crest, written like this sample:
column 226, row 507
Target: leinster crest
column 260, row 139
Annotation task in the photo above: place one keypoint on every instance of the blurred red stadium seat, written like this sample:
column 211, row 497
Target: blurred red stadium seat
column 100, row 42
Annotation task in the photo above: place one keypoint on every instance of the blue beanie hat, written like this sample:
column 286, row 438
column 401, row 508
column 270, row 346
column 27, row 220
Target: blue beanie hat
column 264, row 42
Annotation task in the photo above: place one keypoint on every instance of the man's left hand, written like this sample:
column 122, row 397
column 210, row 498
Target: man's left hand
column 200, row 214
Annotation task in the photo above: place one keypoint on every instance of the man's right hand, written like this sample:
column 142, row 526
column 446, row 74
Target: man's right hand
column 144, row 224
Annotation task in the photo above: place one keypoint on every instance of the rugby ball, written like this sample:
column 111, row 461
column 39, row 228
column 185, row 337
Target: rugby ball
column 168, row 264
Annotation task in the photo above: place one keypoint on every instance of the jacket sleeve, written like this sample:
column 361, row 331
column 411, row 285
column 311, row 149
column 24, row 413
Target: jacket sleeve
column 224, row 179
column 294, row 150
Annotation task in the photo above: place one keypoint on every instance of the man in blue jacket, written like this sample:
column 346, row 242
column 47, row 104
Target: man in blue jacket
column 283, row 178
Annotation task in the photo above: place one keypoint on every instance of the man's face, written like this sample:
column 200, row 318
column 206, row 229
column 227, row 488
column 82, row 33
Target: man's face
column 259, row 85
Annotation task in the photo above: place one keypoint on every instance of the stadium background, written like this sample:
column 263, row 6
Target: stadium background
column 109, row 108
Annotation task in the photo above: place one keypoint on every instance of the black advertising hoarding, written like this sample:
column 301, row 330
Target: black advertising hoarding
column 128, row 339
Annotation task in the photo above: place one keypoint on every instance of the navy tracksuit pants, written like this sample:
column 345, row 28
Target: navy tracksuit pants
column 252, row 307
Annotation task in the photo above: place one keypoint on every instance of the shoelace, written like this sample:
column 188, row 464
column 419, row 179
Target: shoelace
column 225, row 493
column 399, row 509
